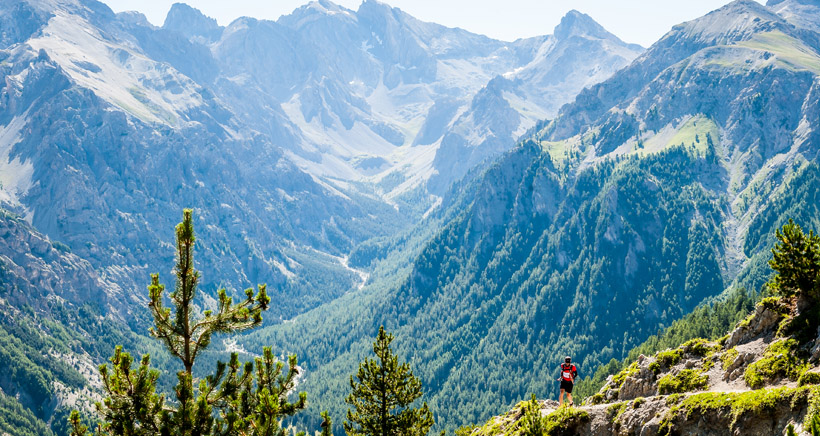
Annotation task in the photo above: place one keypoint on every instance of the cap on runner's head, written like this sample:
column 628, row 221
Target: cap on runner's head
column 567, row 359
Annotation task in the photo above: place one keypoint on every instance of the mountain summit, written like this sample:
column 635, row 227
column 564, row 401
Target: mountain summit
column 575, row 23
column 192, row 23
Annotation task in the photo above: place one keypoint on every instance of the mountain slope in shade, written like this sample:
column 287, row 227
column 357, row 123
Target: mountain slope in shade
column 652, row 191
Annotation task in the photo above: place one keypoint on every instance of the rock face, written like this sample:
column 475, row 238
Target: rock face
column 38, row 273
column 638, row 401
column 45, row 347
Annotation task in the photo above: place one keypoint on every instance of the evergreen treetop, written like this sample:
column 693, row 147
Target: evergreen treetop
column 382, row 396
column 796, row 258
column 230, row 402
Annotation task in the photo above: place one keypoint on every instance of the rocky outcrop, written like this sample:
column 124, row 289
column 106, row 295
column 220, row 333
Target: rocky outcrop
column 762, row 321
column 703, row 388
column 38, row 272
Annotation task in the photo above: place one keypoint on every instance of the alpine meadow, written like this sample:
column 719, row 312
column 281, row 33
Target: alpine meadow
column 356, row 222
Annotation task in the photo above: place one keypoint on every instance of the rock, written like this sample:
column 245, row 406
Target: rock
column 763, row 321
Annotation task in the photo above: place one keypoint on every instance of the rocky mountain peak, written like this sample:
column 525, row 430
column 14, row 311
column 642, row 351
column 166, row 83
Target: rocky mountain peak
column 133, row 18
column 191, row 22
column 316, row 10
column 576, row 23
column 737, row 21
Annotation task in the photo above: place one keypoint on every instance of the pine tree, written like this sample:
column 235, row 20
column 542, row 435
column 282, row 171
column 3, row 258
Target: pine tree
column 230, row 402
column 382, row 396
column 796, row 258
column 533, row 422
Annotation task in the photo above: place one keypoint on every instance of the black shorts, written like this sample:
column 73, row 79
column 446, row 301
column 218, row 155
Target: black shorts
column 566, row 386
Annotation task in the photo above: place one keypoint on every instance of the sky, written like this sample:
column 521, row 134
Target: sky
column 636, row 21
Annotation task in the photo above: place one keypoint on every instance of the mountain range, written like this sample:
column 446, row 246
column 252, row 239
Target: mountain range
column 274, row 125
column 299, row 143
column 653, row 192
column 374, row 170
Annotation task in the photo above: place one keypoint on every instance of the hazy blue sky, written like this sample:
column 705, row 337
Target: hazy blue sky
column 638, row 21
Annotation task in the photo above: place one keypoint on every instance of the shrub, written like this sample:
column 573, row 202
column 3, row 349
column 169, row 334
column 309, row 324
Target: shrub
column 669, row 358
column 687, row 380
column 779, row 360
column 699, row 347
column 595, row 399
column 565, row 420
column 809, row 378
column 615, row 411
column 729, row 358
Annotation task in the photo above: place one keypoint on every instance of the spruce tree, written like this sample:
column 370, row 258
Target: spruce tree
column 382, row 396
column 235, row 400
column 796, row 258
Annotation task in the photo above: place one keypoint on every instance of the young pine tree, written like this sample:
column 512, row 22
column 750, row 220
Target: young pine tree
column 382, row 396
column 238, row 399
column 533, row 422
column 796, row 258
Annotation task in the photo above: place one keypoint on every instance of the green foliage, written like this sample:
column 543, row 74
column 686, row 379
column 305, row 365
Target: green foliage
column 532, row 423
column 564, row 421
column 781, row 359
column 803, row 327
column 229, row 402
column 16, row 420
column 383, row 394
column 674, row 399
column 686, row 380
column 732, row 404
column 699, row 347
column 669, row 358
column 184, row 334
column 465, row 430
column 796, row 258
column 812, row 420
column 618, row 379
column 728, row 358
column 809, row 378
column 615, row 410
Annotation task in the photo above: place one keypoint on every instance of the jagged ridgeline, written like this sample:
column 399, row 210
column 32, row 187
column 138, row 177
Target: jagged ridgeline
column 654, row 191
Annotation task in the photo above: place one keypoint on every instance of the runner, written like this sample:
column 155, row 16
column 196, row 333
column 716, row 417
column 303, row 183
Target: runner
column 568, row 372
